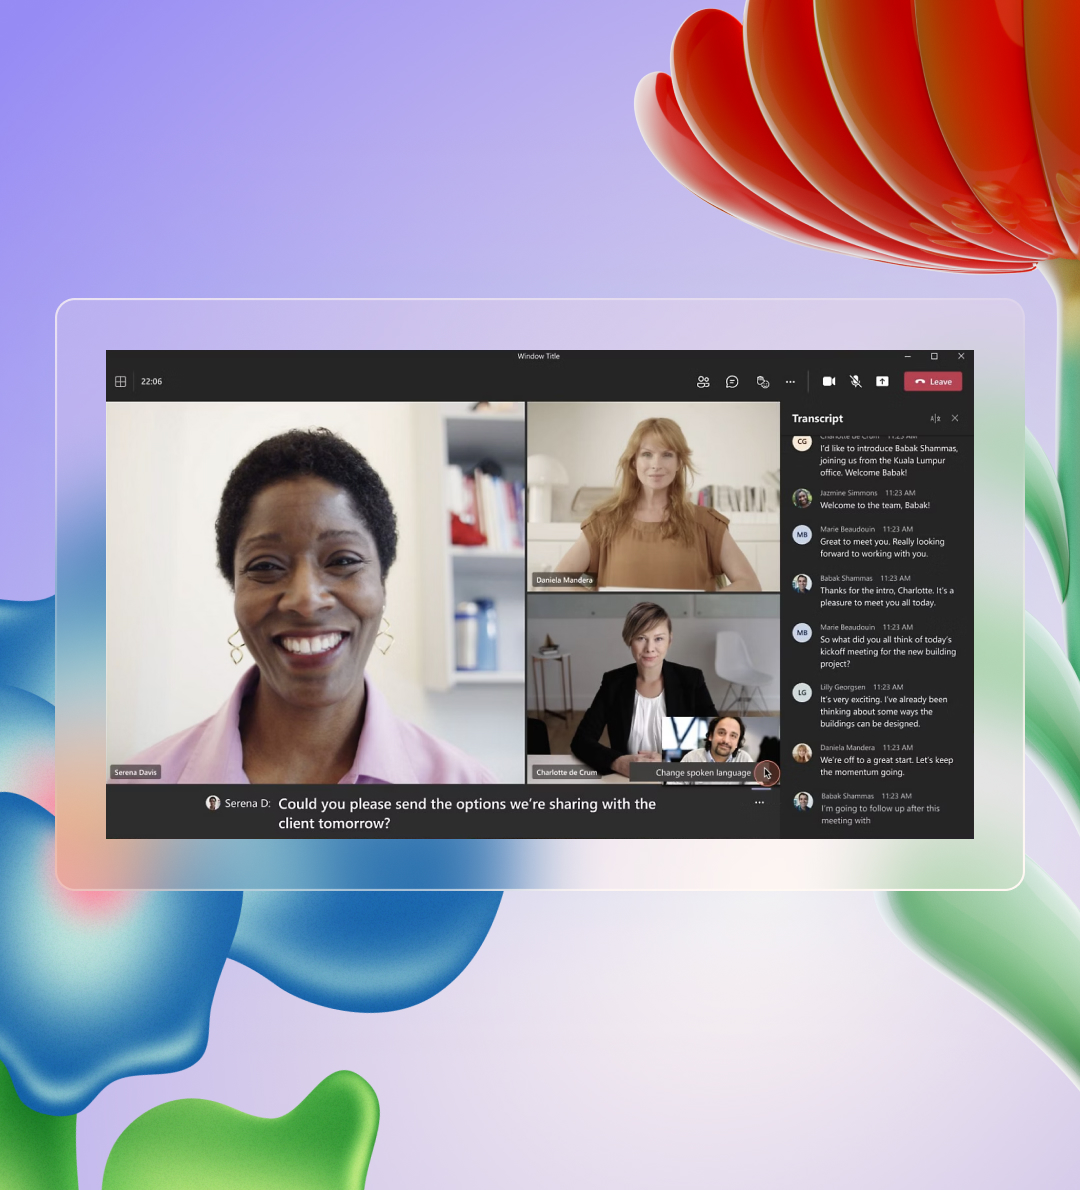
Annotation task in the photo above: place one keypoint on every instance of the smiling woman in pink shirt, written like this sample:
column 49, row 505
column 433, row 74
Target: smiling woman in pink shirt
column 305, row 536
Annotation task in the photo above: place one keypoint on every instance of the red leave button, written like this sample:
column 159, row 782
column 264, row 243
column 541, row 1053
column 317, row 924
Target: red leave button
column 942, row 382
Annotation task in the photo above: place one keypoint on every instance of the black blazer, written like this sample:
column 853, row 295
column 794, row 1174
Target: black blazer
column 685, row 693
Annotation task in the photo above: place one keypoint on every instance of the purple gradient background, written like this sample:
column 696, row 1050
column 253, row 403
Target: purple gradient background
column 480, row 149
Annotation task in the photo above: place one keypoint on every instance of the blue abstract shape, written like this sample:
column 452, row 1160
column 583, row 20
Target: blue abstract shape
column 27, row 646
column 362, row 951
column 97, row 986
column 27, row 730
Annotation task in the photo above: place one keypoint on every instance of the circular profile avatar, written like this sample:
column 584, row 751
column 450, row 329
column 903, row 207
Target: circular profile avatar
column 802, row 802
column 802, row 583
column 802, row 753
column 213, row 802
column 802, row 498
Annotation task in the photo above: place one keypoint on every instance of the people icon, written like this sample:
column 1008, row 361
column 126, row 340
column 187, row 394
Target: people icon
column 802, row 802
column 213, row 802
column 802, row 583
column 802, row 753
column 802, row 498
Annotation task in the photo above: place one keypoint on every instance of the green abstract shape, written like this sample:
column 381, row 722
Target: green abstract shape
column 37, row 1152
column 1018, row 950
column 1064, row 278
column 1045, row 511
column 1052, row 713
column 324, row 1143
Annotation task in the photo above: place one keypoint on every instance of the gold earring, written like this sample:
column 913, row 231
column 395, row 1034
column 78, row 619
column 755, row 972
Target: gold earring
column 236, row 651
column 384, row 649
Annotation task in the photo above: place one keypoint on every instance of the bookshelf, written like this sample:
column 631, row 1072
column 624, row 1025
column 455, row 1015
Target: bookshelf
column 456, row 573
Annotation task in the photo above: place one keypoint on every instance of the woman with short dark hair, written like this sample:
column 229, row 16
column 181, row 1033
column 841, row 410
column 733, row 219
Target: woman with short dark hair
column 306, row 534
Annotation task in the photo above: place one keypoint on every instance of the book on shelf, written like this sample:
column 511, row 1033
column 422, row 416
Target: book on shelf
column 728, row 498
column 495, row 506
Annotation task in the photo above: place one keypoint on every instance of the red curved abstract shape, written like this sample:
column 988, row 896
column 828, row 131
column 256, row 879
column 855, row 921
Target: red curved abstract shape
column 871, row 54
column 801, row 129
column 668, row 136
column 973, row 60
column 713, row 86
column 671, row 141
column 1051, row 37
column 793, row 93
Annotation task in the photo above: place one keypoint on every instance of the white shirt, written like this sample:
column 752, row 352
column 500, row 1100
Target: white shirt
column 648, row 723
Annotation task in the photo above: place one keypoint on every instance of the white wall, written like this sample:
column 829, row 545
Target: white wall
column 733, row 442
column 595, row 644
column 170, row 611
column 757, row 728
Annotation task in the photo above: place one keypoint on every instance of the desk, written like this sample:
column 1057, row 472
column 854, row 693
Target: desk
column 569, row 761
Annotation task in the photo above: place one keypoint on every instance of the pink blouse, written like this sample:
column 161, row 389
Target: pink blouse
column 391, row 751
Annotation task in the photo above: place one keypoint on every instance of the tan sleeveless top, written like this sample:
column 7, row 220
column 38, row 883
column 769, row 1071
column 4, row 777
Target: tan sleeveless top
column 641, row 557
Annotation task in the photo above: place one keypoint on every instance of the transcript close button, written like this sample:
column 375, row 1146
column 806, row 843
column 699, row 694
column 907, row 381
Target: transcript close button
column 918, row 382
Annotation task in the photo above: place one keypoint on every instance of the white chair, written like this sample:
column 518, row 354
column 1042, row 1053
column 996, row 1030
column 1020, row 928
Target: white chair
column 733, row 665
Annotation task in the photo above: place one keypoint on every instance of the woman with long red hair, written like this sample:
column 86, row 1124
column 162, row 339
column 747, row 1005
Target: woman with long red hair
column 649, row 535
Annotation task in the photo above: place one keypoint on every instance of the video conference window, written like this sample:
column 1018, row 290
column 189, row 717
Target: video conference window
column 741, row 593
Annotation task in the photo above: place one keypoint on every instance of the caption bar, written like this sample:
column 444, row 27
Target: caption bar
column 509, row 812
